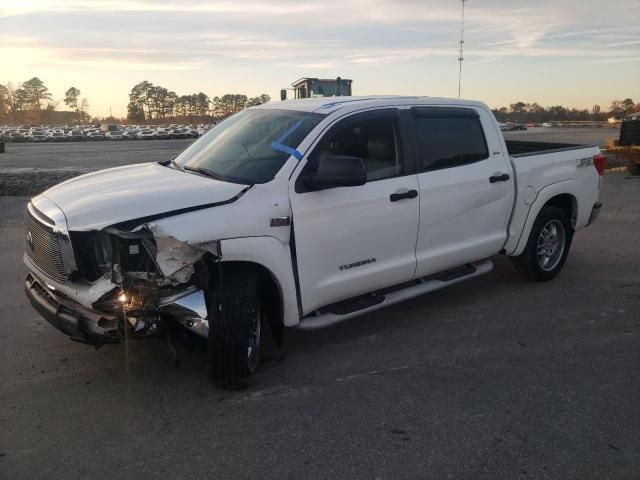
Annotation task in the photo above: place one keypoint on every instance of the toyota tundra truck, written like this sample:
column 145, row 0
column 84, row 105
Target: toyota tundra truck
column 302, row 214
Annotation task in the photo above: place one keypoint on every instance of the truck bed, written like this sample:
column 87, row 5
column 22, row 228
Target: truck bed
column 521, row 148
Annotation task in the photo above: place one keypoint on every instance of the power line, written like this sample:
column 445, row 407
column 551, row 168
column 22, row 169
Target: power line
column 460, row 57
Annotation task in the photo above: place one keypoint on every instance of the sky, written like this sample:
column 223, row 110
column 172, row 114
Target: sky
column 555, row 52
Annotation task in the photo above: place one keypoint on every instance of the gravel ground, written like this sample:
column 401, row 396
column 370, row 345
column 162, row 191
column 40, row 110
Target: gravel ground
column 494, row 378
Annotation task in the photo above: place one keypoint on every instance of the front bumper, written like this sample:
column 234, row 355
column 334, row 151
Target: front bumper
column 80, row 323
column 595, row 212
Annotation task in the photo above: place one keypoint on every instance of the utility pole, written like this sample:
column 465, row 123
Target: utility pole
column 460, row 57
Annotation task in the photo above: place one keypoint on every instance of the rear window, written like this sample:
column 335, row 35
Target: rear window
column 449, row 139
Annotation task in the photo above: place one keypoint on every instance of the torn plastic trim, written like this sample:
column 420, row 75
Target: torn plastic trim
column 174, row 259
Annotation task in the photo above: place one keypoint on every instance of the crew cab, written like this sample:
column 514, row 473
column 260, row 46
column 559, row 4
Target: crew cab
column 302, row 214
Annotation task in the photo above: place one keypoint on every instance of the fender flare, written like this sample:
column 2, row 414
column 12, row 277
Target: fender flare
column 566, row 187
column 271, row 254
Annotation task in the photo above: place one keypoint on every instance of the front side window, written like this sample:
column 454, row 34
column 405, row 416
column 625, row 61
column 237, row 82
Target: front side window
column 450, row 141
column 249, row 147
column 374, row 141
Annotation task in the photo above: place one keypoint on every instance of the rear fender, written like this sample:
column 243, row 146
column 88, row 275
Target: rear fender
column 568, row 187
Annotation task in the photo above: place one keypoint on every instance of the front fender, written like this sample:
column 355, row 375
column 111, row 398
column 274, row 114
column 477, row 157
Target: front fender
column 273, row 255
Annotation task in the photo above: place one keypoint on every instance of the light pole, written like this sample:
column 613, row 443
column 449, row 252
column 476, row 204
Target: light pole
column 460, row 57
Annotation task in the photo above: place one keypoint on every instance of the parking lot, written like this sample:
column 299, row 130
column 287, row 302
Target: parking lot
column 492, row 378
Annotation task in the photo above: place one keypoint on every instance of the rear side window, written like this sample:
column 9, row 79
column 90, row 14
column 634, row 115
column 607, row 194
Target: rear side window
column 449, row 138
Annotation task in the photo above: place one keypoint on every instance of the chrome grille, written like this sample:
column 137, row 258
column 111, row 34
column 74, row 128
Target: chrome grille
column 43, row 248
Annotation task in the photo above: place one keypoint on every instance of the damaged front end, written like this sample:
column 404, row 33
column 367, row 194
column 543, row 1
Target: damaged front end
column 139, row 281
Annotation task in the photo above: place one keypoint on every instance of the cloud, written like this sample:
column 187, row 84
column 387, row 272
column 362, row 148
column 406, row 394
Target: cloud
column 307, row 36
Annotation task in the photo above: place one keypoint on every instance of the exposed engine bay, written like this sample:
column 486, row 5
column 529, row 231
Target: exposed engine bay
column 150, row 272
column 134, row 279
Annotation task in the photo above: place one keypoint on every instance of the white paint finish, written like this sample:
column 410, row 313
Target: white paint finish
column 249, row 216
column 463, row 217
column 459, row 216
column 97, row 200
column 341, row 226
column 276, row 258
column 529, row 196
column 550, row 174
column 323, row 320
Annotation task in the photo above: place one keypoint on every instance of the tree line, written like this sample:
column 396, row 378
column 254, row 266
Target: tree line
column 534, row 112
column 149, row 103
column 31, row 102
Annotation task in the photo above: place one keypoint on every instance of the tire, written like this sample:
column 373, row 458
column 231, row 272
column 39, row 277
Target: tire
column 633, row 168
column 235, row 317
column 542, row 260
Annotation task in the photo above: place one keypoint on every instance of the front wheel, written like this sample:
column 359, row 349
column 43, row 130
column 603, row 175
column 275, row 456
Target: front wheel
column 235, row 318
column 547, row 247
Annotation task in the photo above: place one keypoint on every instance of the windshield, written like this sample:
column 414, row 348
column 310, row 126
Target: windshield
column 250, row 146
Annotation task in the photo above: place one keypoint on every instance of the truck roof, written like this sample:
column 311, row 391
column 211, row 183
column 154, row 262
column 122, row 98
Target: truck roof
column 331, row 104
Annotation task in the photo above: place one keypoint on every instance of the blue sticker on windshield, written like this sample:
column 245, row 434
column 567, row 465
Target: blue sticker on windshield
column 278, row 145
column 285, row 149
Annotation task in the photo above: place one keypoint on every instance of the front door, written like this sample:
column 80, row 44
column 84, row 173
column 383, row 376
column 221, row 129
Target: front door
column 354, row 240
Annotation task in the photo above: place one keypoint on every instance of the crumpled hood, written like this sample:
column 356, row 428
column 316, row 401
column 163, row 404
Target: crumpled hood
column 97, row 200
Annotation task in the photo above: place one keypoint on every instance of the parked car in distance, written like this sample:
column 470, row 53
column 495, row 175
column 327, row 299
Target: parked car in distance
column 162, row 134
column 114, row 135
column 146, row 135
column 75, row 136
column 39, row 135
column 178, row 133
column 95, row 135
column 57, row 136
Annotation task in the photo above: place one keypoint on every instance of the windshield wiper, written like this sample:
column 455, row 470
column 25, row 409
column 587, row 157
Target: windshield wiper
column 211, row 174
column 204, row 171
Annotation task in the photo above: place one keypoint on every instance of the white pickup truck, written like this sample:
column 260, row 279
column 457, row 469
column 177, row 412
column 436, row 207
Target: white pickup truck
column 302, row 214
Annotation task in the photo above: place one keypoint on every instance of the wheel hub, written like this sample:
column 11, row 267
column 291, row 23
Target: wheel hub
column 551, row 243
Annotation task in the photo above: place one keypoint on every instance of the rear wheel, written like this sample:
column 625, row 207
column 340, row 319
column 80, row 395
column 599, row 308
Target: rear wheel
column 235, row 328
column 547, row 247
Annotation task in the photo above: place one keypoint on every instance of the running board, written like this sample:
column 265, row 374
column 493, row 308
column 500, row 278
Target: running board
column 320, row 319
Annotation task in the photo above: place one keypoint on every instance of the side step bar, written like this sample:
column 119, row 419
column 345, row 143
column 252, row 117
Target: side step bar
column 320, row 319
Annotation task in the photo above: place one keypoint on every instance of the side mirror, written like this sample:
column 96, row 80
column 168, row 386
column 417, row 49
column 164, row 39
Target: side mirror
column 337, row 171
column 283, row 94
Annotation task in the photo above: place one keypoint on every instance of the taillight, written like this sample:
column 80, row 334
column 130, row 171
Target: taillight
column 600, row 162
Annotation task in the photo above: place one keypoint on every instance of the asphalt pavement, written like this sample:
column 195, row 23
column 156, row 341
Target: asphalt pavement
column 89, row 155
column 494, row 378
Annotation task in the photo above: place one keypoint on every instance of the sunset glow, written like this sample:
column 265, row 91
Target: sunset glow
column 574, row 53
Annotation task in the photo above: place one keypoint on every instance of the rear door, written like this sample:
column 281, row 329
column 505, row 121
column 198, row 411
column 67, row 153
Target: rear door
column 466, row 192
column 354, row 240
